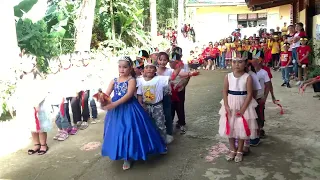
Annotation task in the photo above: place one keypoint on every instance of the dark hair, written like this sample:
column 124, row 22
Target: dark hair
column 163, row 54
column 177, row 52
column 301, row 25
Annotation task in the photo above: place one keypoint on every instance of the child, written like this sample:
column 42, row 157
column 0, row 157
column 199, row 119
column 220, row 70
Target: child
column 178, row 89
column 303, row 53
column 193, row 61
column 237, row 113
column 275, row 50
column 32, row 107
column 262, row 95
column 162, row 70
column 129, row 133
column 222, row 49
column 285, row 63
column 229, row 50
column 150, row 95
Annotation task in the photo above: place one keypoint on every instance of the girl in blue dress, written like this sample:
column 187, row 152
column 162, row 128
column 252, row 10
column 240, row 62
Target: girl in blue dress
column 129, row 133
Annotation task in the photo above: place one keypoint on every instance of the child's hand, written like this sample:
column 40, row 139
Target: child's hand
column 109, row 106
column 228, row 111
column 239, row 113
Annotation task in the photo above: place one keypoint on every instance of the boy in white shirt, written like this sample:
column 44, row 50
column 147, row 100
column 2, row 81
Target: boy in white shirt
column 150, row 95
column 262, row 94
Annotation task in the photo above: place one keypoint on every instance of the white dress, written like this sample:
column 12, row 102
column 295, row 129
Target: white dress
column 237, row 125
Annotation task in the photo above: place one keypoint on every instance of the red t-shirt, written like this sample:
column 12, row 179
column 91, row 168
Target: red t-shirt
column 211, row 52
column 268, row 71
column 284, row 58
column 302, row 52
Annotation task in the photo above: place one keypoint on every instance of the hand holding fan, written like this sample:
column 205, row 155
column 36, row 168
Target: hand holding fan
column 102, row 98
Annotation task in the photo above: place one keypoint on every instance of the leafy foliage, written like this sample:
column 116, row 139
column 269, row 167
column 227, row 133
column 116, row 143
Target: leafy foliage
column 23, row 7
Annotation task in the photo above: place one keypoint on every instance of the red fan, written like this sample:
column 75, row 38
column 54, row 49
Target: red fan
column 102, row 98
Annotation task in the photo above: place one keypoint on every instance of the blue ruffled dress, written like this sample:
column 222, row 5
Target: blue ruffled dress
column 129, row 133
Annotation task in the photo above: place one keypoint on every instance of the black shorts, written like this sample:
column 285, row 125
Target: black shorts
column 209, row 58
column 194, row 66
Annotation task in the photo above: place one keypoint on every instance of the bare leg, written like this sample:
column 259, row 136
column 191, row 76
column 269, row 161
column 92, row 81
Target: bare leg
column 43, row 141
column 232, row 153
column 239, row 156
column 36, row 142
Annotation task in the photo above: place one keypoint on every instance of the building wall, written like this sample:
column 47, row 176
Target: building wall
column 316, row 35
column 212, row 23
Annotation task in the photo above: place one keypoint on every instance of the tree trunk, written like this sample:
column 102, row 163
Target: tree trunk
column 113, row 29
column 180, row 20
column 84, row 25
column 153, row 20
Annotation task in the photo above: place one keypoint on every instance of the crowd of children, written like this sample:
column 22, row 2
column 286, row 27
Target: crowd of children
column 287, row 52
column 247, row 87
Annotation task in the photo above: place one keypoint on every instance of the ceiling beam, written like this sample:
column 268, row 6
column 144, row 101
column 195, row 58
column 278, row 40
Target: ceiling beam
column 270, row 4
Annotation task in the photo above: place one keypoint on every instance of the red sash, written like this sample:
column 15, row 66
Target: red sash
column 245, row 124
column 37, row 119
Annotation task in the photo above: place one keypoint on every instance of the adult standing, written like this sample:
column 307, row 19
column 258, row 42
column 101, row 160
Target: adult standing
column 296, row 40
column 290, row 35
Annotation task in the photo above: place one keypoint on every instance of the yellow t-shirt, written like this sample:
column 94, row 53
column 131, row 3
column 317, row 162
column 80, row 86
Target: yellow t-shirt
column 228, row 46
column 275, row 47
column 281, row 45
column 284, row 31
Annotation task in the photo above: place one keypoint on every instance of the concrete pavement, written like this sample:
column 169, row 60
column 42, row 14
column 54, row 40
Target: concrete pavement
column 290, row 152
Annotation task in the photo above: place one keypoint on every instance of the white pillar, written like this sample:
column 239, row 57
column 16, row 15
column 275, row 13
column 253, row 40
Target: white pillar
column 9, row 45
column 153, row 20
column 85, row 25
column 180, row 21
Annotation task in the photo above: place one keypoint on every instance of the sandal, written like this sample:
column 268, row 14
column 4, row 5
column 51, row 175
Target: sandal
column 32, row 151
column 126, row 165
column 42, row 152
column 239, row 157
column 231, row 157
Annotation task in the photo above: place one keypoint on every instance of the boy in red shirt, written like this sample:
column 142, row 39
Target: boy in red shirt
column 285, row 63
column 303, row 61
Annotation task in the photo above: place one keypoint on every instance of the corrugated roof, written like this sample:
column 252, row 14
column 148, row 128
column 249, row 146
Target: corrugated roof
column 215, row 2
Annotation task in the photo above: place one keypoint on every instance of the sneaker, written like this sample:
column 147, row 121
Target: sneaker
column 69, row 130
column 254, row 142
column 93, row 121
column 182, row 130
column 74, row 131
column 288, row 85
column 63, row 136
column 84, row 125
column 298, row 83
column 169, row 139
column 57, row 135
column 283, row 84
column 79, row 123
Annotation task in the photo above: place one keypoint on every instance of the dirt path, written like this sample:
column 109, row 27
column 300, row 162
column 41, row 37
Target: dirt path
column 291, row 150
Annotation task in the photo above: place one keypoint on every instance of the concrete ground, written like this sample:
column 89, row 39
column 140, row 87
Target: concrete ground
column 290, row 152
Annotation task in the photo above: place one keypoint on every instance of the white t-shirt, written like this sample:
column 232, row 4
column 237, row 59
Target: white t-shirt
column 263, row 78
column 255, row 81
column 153, row 91
column 297, row 44
column 167, row 72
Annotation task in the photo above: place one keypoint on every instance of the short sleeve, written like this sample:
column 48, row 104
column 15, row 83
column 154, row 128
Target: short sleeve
column 255, row 82
column 139, row 86
column 266, row 77
column 139, row 90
